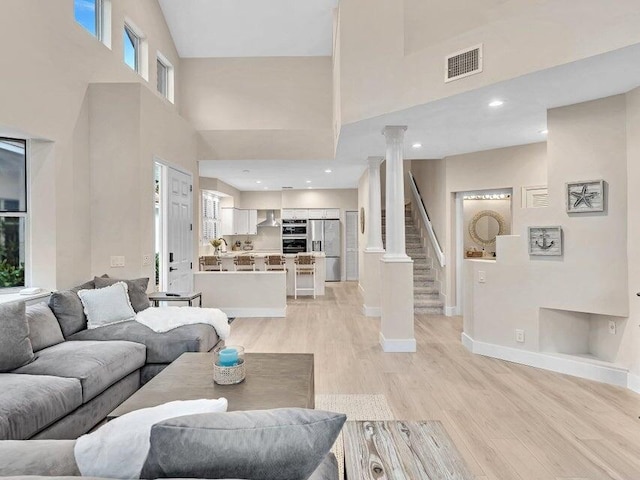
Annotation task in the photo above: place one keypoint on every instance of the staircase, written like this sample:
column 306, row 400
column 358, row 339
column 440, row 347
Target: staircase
column 426, row 294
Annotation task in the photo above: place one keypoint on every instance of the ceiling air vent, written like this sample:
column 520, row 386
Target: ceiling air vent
column 463, row 63
column 287, row 188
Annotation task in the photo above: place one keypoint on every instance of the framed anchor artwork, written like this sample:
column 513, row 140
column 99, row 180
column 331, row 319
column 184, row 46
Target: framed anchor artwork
column 545, row 241
column 586, row 196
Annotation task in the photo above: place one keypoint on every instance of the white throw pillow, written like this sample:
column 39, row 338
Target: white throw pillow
column 108, row 305
column 120, row 448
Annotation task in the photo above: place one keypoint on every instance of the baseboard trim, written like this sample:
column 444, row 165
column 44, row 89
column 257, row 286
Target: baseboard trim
column 371, row 311
column 402, row 345
column 255, row 312
column 450, row 311
column 571, row 366
column 633, row 382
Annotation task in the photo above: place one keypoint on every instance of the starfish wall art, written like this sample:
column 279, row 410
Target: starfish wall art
column 585, row 196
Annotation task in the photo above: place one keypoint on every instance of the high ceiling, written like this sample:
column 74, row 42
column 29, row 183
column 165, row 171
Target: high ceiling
column 250, row 28
column 460, row 124
column 455, row 125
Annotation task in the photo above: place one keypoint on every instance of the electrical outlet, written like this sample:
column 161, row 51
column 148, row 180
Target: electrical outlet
column 482, row 276
column 117, row 261
column 519, row 336
column 612, row 327
column 146, row 260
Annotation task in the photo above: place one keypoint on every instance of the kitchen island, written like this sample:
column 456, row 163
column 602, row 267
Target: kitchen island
column 304, row 281
column 258, row 293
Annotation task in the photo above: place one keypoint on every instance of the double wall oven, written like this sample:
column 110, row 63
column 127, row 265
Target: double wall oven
column 294, row 236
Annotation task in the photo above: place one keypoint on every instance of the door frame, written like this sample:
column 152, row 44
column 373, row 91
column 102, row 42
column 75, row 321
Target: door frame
column 164, row 203
column 459, row 238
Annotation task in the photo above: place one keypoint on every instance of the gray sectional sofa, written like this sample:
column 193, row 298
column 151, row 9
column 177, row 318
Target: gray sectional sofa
column 77, row 376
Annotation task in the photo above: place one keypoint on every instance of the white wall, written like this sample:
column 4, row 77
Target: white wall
column 260, row 108
column 44, row 96
column 392, row 52
column 439, row 181
column 564, row 303
column 631, row 332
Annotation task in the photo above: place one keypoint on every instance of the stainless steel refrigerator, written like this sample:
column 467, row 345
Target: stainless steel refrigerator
column 324, row 236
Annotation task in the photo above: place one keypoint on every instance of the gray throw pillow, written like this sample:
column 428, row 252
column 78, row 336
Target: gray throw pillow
column 44, row 329
column 280, row 444
column 67, row 308
column 15, row 346
column 137, row 290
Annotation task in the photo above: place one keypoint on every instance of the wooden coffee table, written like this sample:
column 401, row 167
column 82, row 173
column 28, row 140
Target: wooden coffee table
column 274, row 380
column 399, row 450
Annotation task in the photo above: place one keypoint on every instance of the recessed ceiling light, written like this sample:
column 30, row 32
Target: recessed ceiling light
column 266, row 188
column 309, row 188
column 258, row 181
column 496, row 103
column 416, row 145
column 308, row 181
column 328, row 170
column 544, row 132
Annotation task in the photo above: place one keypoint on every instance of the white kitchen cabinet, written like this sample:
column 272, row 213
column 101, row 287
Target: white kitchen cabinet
column 242, row 221
column 316, row 214
column 288, row 214
column 322, row 213
column 227, row 226
column 253, row 222
column 295, row 214
column 332, row 213
column 237, row 221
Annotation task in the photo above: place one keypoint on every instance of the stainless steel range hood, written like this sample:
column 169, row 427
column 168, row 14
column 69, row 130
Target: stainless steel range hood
column 270, row 221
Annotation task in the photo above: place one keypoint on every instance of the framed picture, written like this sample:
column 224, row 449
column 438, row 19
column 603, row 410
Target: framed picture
column 585, row 196
column 545, row 241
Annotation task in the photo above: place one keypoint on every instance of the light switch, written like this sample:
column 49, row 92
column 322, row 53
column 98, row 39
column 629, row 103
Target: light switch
column 482, row 276
column 117, row 261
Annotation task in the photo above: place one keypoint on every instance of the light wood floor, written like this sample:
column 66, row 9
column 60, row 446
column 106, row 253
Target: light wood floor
column 509, row 421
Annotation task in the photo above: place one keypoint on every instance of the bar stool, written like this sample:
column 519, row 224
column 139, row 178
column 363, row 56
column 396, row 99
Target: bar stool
column 244, row 263
column 304, row 265
column 275, row 263
column 210, row 262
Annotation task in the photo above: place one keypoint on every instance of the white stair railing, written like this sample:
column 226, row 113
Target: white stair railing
column 425, row 218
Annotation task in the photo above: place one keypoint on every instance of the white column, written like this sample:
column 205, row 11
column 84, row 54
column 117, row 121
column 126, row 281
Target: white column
column 371, row 279
column 396, row 268
column 395, row 193
column 374, row 230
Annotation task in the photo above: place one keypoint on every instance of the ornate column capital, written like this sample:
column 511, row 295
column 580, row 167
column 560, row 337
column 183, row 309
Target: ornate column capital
column 394, row 132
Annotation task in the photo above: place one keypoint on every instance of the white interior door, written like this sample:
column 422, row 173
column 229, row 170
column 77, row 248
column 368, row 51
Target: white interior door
column 179, row 231
column 352, row 245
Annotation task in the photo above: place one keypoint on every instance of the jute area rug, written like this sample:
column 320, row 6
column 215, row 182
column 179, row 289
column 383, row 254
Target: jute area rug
column 356, row 407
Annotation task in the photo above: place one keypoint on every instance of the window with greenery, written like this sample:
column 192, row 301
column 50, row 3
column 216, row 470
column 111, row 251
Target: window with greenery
column 131, row 48
column 89, row 14
column 13, row 211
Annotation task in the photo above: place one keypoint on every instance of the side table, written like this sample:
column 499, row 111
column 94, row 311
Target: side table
column 158, row 297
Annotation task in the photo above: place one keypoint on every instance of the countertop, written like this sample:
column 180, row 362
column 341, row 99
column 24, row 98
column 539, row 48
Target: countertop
column 264, row 253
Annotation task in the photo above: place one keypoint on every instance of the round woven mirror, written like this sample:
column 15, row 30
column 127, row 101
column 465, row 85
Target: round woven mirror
column 485, row 226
